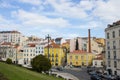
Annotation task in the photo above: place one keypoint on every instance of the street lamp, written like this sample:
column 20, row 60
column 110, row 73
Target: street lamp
column 49, row 38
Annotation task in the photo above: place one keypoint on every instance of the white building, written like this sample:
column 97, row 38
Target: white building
column 112, row 33
column 97, row 45
column 31, row 50
column 8, row 50
column 98, row 61
column 73, row 44
column 11, row 36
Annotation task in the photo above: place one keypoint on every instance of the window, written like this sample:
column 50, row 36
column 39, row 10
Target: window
column 109, row 63
column 114, row 52
column 108, row 54
column 108, row 45
column 119, row 32
column 70, row 57
column 56, row 55
column 115, row 64
column 82, row 57
column 107, row 35
column 52, row 59
column 114, row 47
column 76, row 57
column 52, row 55
column 113, row 33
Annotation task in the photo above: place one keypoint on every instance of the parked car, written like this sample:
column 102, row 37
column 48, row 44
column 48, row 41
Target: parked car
column 60, row 68
column 92, row 73
column 95, row 77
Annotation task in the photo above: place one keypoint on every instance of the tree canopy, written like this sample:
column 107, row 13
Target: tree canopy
column 41, row 63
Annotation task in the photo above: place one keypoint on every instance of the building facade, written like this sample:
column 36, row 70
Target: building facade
column 11, row 36
column 112, row 34
column 97, row 45
column 80, row 58
column 55, row 53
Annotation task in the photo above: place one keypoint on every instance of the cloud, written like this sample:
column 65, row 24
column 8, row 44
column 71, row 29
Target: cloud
column 32, row 2
column 66, row 8
column 7, row 24
column 107, row 11
column 35, row 19
column 5, row 4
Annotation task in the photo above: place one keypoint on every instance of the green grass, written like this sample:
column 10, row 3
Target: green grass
column 18, row 73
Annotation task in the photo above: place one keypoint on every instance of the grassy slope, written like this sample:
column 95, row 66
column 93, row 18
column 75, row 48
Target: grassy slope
column 17, row 73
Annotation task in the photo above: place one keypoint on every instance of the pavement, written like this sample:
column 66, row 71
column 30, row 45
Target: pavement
column 72, row 73
column 64, row 75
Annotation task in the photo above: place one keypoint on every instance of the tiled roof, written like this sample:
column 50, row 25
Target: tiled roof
column 31, row 44
column 114, row 24
column 98, row 58
column 53, row 45
column 78, row 52
column 6, row 43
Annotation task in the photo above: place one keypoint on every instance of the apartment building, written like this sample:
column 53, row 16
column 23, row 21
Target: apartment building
column 55, row 53
column 8, row 50
column 11, row 36
column 81, row 44
column 112, row 34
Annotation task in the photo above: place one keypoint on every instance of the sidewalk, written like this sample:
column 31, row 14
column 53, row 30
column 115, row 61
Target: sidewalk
column 66, row 76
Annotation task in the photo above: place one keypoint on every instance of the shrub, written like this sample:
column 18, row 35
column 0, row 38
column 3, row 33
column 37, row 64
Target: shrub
column 41, row 63
column 9, row 61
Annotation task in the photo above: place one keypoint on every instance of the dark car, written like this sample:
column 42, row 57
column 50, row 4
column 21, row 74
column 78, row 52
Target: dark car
column 59, row 68
column 95, row 77
column 92, row 73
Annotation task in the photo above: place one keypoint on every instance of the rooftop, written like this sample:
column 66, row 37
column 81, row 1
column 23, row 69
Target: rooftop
column 53, row 45
column 78, row 52
column 9, row 32
column 114, row 24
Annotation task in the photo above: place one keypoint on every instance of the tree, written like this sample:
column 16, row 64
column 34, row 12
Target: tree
column 9, row 61
column 40, row 63
column 77, row 45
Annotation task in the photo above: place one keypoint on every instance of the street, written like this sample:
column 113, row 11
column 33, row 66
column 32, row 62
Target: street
column 80, row 73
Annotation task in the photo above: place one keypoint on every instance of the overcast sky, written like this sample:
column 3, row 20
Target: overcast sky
column 59, row 18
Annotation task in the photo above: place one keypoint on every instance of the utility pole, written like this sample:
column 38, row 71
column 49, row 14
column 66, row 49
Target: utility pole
column 48, row 37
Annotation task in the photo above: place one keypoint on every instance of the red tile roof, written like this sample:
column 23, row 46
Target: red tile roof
column 78, row 52
column 6, row 43
column 31, row 45
column 53, row 45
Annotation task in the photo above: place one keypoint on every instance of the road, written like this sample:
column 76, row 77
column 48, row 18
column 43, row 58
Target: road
column 80, row 73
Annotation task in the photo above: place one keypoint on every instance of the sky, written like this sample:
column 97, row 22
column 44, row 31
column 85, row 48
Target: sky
column 58, row 18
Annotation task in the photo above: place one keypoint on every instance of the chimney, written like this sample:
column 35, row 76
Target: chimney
column 89, row 41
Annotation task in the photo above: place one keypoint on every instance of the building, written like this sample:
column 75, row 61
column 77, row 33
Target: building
column 73, row 44
column 112, row 34
column 80, row 58
column 97, row 45
column 98, row 61
column 59, row 41
column 8, row 50
column 11, row 36
column 55, row 53
column 29, row 53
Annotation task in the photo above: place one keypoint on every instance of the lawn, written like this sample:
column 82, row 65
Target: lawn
column 13, row 72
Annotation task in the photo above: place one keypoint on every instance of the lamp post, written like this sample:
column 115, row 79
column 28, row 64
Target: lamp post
column 48, row 37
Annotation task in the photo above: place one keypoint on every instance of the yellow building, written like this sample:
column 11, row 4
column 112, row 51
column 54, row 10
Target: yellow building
column 56, row 54
column 80, row 58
